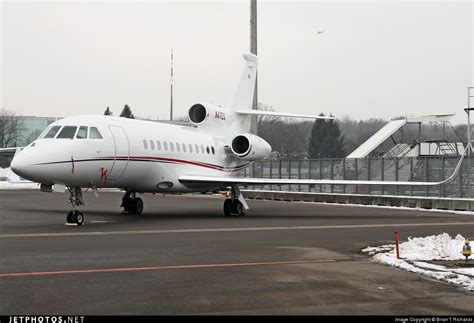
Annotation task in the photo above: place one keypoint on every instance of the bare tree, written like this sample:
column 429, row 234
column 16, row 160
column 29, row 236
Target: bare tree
column 265, row 121
column 10, row 127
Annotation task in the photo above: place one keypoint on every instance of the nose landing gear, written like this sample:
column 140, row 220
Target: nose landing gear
column 75, row 198
column 236, row 205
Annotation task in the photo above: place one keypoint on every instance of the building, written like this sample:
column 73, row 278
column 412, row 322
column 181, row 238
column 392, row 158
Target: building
column 30, row 128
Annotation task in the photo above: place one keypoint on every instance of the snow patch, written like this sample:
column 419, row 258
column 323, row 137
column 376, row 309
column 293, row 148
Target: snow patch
column 416, row 252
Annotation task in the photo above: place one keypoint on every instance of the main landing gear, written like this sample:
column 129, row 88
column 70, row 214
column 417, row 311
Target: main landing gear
column 235, row 205
column 75, row 198
column 132, row 204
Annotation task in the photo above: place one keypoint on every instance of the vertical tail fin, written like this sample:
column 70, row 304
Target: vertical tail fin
column 243, row 95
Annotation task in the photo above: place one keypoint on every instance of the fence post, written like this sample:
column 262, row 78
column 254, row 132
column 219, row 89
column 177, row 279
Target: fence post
column 382, row 174
column 426, row 175
column 289, row 173
column 460, row 180
column 320, row 174
column 441, row 191
column 356, row 176
column 396, row 175
column 332, row 174
column 368, row 173
column 271, row 173
column 309, row 174
column 412, row 175
column 299, row 174
column 343, row 174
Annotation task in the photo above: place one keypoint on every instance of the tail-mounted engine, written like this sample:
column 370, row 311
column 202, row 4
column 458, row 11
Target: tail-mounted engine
column 200, row 113
column 250, row 147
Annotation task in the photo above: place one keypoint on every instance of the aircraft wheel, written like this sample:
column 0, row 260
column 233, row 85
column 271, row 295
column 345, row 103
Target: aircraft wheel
column 75, row 217
column 137, row 205
column 128, row 205
column 69, row 217
column 228, row 207
column 79, row 218
column 238, row 208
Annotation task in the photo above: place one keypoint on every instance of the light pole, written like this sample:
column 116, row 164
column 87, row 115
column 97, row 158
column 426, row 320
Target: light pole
column 253, row 50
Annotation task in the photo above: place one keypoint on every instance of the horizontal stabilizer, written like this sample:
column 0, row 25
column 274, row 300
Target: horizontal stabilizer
column 281, row 114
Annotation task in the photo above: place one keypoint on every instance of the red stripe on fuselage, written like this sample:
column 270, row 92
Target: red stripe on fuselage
column 181, row 161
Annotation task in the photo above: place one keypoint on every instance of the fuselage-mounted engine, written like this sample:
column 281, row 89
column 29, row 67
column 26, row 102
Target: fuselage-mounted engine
column 205, row 113
column 250, row 147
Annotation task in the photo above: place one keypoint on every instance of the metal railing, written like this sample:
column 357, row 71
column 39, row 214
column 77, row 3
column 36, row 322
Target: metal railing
column 417, row 169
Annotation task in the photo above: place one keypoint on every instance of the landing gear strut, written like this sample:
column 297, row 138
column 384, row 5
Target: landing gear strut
column 75, row 198
column 235, row 205
column 132, row 204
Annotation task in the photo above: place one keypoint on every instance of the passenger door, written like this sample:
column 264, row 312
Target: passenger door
column 122, row 152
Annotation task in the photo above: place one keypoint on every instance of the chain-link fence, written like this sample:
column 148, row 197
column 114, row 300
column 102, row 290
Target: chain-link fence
column 417, row 169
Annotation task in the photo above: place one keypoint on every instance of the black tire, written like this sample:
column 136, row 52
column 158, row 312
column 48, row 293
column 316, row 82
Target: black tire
column 228, row 207
column 70, row 217
column 238, row 208
column 127, row 204
column 137, row 205
column 79, row 218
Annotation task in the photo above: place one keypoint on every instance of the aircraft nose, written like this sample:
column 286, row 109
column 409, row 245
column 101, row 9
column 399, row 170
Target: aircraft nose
column 19, row 165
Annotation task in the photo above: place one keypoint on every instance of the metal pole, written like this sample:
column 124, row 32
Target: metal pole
column 171, row 80
column 253, row 50
column 469, row 153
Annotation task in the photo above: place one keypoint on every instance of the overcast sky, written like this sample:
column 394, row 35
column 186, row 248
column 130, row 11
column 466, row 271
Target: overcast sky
column 374, row 59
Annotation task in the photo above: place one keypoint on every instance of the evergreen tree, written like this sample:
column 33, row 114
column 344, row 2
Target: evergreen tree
column 127, row 112
column 108, row 112
column 326, row 140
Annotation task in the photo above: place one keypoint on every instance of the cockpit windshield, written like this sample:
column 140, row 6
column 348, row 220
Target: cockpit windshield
column 71, row 132
column 52, row 132
column 67, row 132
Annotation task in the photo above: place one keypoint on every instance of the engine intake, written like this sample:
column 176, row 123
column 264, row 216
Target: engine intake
column 250, row 147
column 197, row 113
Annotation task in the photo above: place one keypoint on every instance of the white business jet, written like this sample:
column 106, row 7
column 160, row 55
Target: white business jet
column 92, row 152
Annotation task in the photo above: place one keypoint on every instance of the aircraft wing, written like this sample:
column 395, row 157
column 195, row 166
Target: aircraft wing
column 281, row 114
column 10, row 150
column 229, row 181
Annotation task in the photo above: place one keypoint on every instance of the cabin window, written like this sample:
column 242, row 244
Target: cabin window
column 94, row 133
column 145, row 144
column 165, row 145
column 152, row 145
column 184, row 148
column 177, row 147
column 190, row 148
column 82, row 133
column 158, row 145
column 67, row 132
column 197, row 149
column 207, row 150
column 212, row 149
column 52, row 132
column 171, row 146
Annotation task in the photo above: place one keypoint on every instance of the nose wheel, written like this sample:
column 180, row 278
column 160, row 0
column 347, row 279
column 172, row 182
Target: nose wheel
column 75, row 217
column 75, row 198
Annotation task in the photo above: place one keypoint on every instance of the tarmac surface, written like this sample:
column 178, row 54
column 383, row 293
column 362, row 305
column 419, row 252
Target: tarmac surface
column 182, row 256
